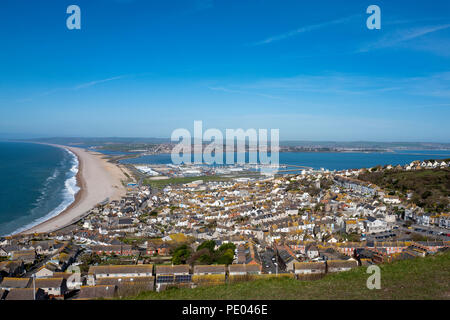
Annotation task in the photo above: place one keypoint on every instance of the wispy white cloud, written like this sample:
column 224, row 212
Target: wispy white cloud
column 223, row 89
column 434, row 85
column 76, row 87
column 339, row 84
column 93, row 83
column 440, row 47
column 395, row 38
column 304, row 29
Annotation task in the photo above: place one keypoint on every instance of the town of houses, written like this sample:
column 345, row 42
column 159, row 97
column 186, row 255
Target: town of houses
column 292, row 225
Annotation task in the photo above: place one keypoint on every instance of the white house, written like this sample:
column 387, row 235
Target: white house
column 375, row 225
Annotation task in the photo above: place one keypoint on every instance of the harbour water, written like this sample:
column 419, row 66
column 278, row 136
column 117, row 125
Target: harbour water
column 327, row 160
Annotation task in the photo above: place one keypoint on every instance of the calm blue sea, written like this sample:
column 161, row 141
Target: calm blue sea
column 37, row 182
column 328, row 160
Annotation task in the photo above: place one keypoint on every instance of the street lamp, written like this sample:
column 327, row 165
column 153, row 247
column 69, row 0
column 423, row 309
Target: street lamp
column 34, row 285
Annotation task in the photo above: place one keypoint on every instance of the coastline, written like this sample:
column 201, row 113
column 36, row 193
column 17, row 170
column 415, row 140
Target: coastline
column 97, row 180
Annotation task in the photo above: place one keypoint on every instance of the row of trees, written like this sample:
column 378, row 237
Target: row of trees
column 205, row 254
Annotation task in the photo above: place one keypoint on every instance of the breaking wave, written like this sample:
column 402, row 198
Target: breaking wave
column 67, row 195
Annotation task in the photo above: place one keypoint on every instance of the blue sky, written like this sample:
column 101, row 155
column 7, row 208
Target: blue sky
column 144, row 68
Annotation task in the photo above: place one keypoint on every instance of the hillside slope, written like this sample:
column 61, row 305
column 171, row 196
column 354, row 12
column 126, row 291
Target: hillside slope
column 430, row 188
column 420, row 278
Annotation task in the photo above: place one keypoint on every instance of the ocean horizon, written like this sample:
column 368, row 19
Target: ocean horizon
column 39, row 182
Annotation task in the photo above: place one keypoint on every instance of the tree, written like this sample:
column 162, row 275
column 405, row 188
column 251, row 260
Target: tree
column 196, row 255
column 206, row 254
column 426, row 194
column 227, row 246
column 181, row 254
column 209, row 244
column 89, row 260
column 225, row 257
column 206, row 258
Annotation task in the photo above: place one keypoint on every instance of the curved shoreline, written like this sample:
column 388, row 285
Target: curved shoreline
column 97, row 180
column 79, row 182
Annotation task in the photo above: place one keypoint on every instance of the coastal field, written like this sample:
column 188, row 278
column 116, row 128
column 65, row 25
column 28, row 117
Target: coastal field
column 419, row 278
column 165, row 182
column 98, row 180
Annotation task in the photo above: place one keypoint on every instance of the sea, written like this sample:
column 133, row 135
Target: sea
column 37, row 182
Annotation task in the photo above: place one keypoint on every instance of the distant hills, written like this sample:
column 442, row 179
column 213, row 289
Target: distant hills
column 369, row 145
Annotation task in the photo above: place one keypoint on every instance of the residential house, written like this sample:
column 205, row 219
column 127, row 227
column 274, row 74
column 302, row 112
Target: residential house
column 163, row 249
column 128, row 286
column 11, row 268
column 244, row 269
column 52, row 286
column 98, row 291
column 26, row 294
column 209, row 269
column 27, row 256
column 309, row 268
column 97, row 272
column 172, row 274
column 151, row 249
column 247, row 254
column 351, row 226
column 285, row 258
column 11, row 283
column 3, row 252
column 73, row 281
column 341, row 265
column 374, row 225
column 46, row 271
column 311, row 251
column 120, row 250
column 209, row 274
column 444, row 221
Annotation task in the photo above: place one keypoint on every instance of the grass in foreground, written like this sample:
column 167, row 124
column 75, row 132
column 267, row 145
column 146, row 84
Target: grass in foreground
column 420, row 278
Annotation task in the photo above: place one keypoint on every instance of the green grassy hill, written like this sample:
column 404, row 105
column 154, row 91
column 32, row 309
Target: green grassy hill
column 420, row 278
column 430, row 188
